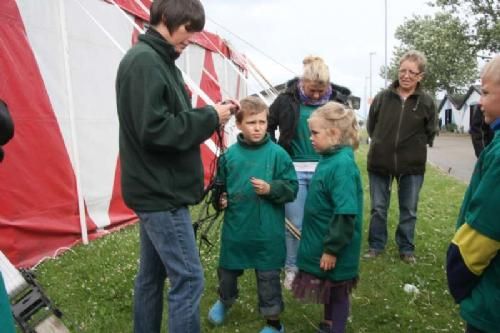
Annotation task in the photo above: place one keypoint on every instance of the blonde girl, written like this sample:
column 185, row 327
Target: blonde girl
column 329, row 251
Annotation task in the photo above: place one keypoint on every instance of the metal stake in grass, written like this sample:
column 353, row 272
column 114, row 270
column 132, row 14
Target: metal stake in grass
column 292, row 228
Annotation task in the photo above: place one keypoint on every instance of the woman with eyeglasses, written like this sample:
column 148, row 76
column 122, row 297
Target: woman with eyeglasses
column 401, row 123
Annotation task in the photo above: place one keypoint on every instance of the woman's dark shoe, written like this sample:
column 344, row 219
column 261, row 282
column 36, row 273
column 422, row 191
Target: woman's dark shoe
column 408, row 258
column 324, row 327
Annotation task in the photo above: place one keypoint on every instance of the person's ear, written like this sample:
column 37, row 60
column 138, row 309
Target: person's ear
column 335, row 135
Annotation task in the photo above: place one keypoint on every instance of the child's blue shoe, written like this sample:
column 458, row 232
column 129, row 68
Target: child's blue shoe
column 217, row 313
column 270, row 329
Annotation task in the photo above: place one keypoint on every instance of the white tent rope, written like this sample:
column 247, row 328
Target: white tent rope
column 211, row 77
column 270, row 89
column 265, row 87
column 136, row 26
column 74, row 139
column 144, row 8
column 232, row 65
column 101, row 27
column 252, row 46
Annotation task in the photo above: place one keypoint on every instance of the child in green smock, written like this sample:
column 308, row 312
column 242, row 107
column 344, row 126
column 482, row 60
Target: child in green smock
column 259, row 178
column 473, row 260
column 6, row 321
column 329, row 251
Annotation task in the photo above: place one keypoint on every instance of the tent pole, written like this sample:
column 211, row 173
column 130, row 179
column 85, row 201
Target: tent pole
column 226, row 80
column 74, row 139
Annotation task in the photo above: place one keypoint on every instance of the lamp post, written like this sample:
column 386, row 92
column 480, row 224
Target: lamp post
column 385, row 44
column 370, row 96
column 366, row 99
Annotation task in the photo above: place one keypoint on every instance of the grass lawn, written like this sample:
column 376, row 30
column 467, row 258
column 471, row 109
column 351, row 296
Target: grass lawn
column 93, row 284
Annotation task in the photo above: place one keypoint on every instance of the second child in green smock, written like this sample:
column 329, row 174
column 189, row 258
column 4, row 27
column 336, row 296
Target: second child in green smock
column 259, row 178
column 329, row 251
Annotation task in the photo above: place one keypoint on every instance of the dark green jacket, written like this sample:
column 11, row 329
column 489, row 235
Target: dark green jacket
column 399, row 132
column 473, row 258
column 160, row 133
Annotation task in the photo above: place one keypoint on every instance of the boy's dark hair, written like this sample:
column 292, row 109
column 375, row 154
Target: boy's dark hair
column 174, row 13
column 249, row 106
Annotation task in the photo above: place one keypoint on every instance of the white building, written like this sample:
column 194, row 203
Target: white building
column 458, row 110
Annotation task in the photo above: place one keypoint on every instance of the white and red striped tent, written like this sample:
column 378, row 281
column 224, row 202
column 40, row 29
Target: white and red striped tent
column 59, row 182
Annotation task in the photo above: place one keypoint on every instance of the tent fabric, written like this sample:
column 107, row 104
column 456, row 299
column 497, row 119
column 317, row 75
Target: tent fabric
column 214, row 43
column 132, row 7
column 57, row 69
column 35, row 191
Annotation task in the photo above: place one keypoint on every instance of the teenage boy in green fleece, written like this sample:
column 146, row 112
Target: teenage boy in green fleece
column 161, row 168
column 473, row 260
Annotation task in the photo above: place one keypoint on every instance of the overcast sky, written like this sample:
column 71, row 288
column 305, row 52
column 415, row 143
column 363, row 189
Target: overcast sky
column 341, row 32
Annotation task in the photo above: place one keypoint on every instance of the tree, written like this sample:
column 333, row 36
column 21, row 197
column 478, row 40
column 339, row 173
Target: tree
column 483, row 19
column 451, row 61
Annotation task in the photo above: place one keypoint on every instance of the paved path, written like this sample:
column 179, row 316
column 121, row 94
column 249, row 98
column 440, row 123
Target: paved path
column 453, row 154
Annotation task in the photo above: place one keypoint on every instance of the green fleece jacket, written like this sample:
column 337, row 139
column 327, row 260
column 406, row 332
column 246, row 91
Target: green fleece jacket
column 399, row 132
column 160, row 133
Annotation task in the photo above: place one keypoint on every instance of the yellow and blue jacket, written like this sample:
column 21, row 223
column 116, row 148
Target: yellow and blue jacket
column 473, row 260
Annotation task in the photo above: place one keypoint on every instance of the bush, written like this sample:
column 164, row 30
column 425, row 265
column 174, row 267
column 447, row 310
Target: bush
column 451, row 128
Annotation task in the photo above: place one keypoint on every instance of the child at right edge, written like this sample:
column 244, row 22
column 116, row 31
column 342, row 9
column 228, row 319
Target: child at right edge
column 329, row 250
column 473, row 257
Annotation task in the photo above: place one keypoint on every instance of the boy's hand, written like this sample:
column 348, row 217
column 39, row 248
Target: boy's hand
column 223, row 201
column 327, row 261
column 261, row 187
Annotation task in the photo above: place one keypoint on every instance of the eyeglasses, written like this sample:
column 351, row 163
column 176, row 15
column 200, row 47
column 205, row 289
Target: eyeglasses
column 409, row 72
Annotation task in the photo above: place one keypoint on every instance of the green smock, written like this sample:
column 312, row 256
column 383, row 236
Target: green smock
column 253, row 231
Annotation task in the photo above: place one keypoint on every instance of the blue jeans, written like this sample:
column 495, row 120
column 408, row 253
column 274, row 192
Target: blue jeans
column 294, row 212
column 268, row 289
column 380, row 193
column 168, row 249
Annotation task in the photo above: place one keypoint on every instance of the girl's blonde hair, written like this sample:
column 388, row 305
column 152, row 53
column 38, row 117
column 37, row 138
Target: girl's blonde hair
column 336, row 115
column 492, row 70
column 316, row 70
